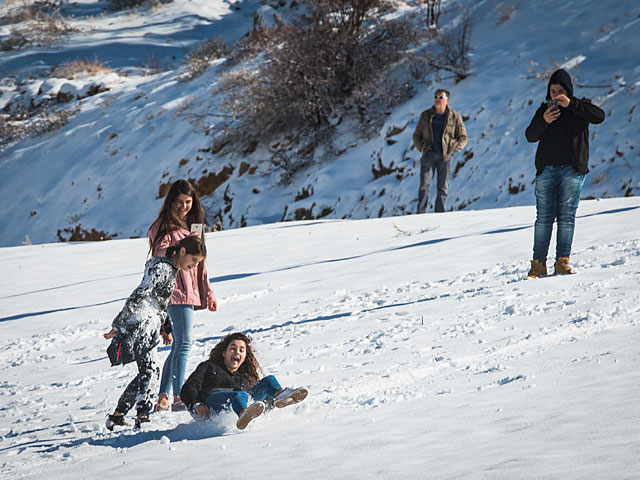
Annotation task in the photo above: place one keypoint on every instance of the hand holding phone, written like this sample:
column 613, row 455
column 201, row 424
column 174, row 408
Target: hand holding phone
column 552, row 112
column 197, row 228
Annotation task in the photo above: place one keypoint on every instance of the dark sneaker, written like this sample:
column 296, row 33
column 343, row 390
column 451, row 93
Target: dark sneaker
column 115, row 421
column 538, row 269
column 252, row 411
column 140, row 419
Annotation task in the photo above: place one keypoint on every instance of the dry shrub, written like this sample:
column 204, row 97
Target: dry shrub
column 42, row 26
column 505, row 12
column 125, row 4
column 314, row 70
column 28, row 12
column 152, row 65
column 21, row 122
column 453, row 47
column 542, row 72
column 259, row 38
column 76, row 68
column 200, row 57
column 128, row 4
column 434, row 9
column 79, row 234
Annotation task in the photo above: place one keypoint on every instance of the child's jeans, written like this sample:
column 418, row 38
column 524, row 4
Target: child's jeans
column 238, row 400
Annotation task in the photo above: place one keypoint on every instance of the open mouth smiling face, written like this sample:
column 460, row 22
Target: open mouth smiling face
column 234, row 355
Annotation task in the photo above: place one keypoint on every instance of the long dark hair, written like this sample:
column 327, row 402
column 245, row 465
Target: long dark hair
column 192, row 244
column 250, row 368
column 169, row 219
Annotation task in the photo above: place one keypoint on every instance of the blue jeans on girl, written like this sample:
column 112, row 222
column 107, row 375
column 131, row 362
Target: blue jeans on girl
column 175, row 365
column 558, row 191
column 238, row 400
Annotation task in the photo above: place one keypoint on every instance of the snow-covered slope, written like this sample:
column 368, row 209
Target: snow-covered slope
column 104, row 169
column 426, row 350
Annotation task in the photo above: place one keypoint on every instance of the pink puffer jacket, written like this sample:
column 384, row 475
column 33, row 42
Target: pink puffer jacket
column 193, row 287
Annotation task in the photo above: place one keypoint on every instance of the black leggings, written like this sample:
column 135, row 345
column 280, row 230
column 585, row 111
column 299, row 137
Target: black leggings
column 139, row 392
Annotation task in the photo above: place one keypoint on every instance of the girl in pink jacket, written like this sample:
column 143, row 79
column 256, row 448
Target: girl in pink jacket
column 181, row 208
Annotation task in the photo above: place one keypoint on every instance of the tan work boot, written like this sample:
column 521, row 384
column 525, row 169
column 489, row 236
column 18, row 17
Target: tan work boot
column 561, row 267
column 538, row 269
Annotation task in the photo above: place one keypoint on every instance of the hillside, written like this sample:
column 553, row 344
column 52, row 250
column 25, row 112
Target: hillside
column 128, row 134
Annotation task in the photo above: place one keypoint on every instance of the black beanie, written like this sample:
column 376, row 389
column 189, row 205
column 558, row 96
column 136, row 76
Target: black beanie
column 561, row 77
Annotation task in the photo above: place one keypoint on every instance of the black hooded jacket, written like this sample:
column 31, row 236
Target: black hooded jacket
column 208, row 377
column 565, row 141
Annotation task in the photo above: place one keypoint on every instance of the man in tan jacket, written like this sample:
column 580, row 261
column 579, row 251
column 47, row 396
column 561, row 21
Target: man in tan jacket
column 439, row 134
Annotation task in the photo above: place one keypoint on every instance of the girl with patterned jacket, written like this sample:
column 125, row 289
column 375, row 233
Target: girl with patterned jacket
column 136, row 330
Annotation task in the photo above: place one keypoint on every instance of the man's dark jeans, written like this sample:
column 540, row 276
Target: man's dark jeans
column 431, row 163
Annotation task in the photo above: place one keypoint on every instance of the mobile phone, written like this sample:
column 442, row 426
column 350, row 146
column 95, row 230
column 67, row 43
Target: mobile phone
column 197, row 228
column 553, row 104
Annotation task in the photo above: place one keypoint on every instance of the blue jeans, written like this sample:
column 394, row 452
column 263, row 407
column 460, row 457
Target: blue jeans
column 557, row 196
column 430, row 164
column 175, row 365
column 238, row 400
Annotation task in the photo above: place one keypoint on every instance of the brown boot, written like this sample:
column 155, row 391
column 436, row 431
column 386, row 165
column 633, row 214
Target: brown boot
column 561, row 267
column 538, row 269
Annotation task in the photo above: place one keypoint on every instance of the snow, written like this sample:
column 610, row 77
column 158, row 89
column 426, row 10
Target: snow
column 104, row 168
column 426, row 350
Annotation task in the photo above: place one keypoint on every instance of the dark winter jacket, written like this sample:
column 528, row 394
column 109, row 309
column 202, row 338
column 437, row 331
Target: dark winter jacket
column 144, row 314
column 573, row 121
column 209, row 377
column 454, row 137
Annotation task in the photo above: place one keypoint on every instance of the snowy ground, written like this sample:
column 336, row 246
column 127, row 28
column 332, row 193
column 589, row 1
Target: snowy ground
column 427, row 353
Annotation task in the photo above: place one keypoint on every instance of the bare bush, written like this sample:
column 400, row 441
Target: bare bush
column 79, row 234
column 434, row 9
column 76, row 68
column 198, row 60
column 259, row 38
column 42, row 28
column 315, row 70
column 21, row 122
column 28, row 12
column 540, row 71
column 129, row 4
column 505, row 12
column 152, row 65
column 453, row 48
column 125, row 4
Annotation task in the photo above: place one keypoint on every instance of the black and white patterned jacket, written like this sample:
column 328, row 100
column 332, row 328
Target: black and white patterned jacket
column 144, row 313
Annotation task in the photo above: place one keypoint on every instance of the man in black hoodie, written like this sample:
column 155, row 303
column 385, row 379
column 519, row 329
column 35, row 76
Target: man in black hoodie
column 561, row 128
